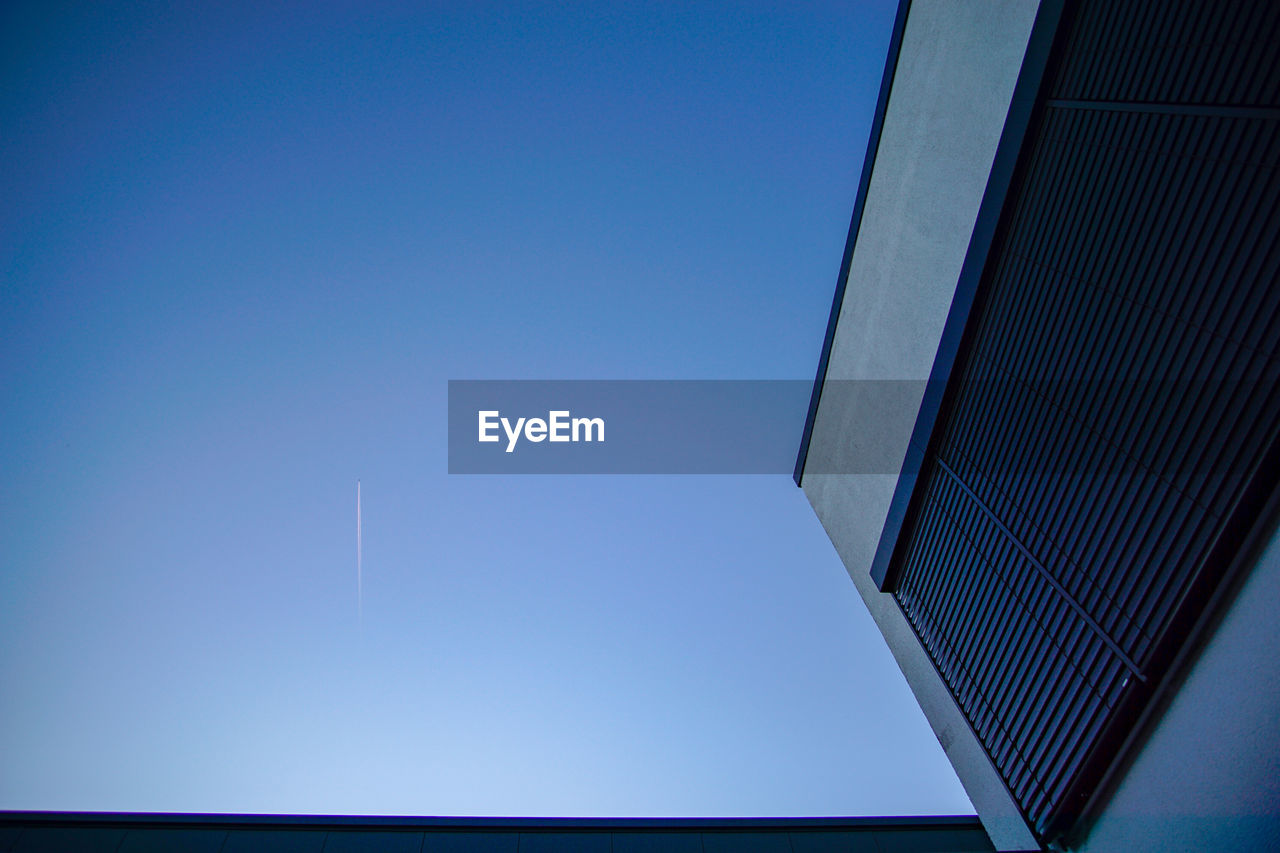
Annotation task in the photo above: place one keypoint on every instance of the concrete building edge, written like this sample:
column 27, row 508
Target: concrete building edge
column 859, row 205
column 996, row 807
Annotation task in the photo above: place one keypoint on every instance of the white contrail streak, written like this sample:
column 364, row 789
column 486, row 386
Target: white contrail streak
column 359, row 559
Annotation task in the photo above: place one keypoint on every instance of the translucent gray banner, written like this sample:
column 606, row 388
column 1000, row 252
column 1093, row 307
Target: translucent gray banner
column 663, row 426
column 1064, row 427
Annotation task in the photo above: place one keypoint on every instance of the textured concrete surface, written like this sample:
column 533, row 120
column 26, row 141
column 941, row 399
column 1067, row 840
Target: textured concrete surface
column 947, row 107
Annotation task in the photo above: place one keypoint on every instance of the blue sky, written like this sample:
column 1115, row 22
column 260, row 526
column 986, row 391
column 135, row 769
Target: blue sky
column 244, row 250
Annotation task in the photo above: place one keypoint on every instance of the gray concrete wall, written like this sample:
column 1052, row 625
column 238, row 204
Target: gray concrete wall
column 1208, row 776
column 947, row 106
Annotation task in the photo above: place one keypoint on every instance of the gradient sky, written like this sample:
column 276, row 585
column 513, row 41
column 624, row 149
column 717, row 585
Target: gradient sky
column 244, row 248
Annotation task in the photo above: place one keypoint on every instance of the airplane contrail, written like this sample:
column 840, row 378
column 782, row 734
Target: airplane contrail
column 359, row 559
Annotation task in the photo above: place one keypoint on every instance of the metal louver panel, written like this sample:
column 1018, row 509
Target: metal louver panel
column 1115, row 399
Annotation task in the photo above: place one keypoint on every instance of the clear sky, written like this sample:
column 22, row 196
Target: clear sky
column 245, row 246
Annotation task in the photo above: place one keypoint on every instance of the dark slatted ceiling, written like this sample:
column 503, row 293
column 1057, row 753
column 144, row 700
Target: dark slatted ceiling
column 1203, row 52
column 1118, row 389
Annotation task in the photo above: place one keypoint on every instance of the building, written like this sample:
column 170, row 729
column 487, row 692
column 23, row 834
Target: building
column 1065, row 261
column 136, row 833
column 1044, row 438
